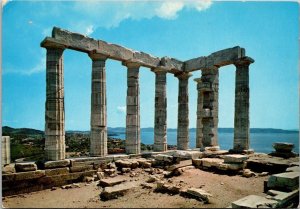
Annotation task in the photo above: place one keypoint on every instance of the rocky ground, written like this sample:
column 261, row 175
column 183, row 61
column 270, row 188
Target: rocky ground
column 223, row 188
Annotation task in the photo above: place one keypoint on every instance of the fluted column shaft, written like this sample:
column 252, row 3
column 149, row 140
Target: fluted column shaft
column 199, row 125
column 208, row 114
column 55, row 111
column 183, row 112
column 160, row 118
column 133, row 136
column 98, row 138
column 241, row 113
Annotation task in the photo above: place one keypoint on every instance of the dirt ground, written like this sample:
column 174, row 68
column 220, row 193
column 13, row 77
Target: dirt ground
column 224, row 190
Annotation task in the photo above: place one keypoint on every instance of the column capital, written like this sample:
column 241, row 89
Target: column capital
column 96, row 56
column 183, row 76
column 245, row 61
column 198, row 80
column 52, row 45
column 159, row 70
column 131, row 63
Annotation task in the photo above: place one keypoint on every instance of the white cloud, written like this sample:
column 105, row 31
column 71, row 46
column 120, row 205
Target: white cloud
column 121, row 109
column 39, row 67
column 89, row 30
column 168, row 9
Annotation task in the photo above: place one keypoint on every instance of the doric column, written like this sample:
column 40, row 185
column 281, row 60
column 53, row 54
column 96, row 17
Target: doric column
column 55, row 110
column 183, row 112
column 98, row 136
column 208, row 114
column 133, row 138
column 199, row 126
column 160, row 118
column 241, row 113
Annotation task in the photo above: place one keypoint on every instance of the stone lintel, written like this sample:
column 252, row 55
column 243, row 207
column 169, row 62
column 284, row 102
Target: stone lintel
column 219, row 59
column 86, row 44
column 52, row 43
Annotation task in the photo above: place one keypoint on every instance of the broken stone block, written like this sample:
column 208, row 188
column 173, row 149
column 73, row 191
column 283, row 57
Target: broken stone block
column 56, row 164
column 56, row 171
column 181, row 164
column 29, row 175
column 254, row 201
column 165, row 158
column 111, row 181
column 283, row 198
column 147, row 185
column 110, row 171
column 126, row 170
column 116, row 191
column 293, row 169
column 235, row 158
column 134, row 164
column 283, row 147
column 24, row 167
column 248, row 173
column 199, row 194
column 187, row 154
column 100, row 175
column 123, row 164
column 263, row 174
column 81, row 168
column 211, row 162
column 197, row 163
column 152, row 179
column 9, row 168
column 88, row 179
column 284, row 181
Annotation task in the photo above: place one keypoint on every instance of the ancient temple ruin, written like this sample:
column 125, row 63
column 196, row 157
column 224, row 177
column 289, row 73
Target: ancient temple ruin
column 99, row 51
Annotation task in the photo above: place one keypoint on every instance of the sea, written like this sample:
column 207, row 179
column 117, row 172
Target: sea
column 260, row 142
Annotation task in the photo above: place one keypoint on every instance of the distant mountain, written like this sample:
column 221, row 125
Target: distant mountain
column 21, row 131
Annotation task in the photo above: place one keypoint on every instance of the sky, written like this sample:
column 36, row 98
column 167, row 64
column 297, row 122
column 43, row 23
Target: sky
column 269, row 31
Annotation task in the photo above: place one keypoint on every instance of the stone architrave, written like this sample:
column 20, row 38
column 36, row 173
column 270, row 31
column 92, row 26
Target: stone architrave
column 199, row 126
column 133, row 136
column 208, row 114
column 183, row 112
column 55, row 110
column 98, row 138
column 160, row 118
column 241, row 111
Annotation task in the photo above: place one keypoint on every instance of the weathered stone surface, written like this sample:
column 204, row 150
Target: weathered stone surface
column 28, row 166
column 100, row 175
column 123, row 163
column 5, row 146
column 181, row 164
column 111, row 181
column 235, row 158
column 186, row 154
column 230, row 166
column 117, row 190
column 126, row 170
column 248, row 173
column 199, row 194
column 197, row 163
column 56, row 164
column 10, row 168
column 110, row 171
column 166, row 158
column 293, row 169
column 283, row 198
column 56, row 171
column 254, row 201
column 211, row 162
column 283, row 147
column 147, row 185
column 81, row 168
column 29, row 175
column 284, row 181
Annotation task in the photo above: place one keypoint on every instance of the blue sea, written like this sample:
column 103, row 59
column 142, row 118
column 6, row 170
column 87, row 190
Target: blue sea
column 260, row 142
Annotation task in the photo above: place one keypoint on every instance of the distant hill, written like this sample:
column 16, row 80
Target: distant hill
column 6, row 130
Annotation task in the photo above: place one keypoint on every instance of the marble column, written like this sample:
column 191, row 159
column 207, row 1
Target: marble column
column 199, row 125
column 98, row 136
column 183, row 112
column 160, row 118
column 209, row 88
column 133, row 136
column 241, row 113
column 55, row 110
column 5, row 147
